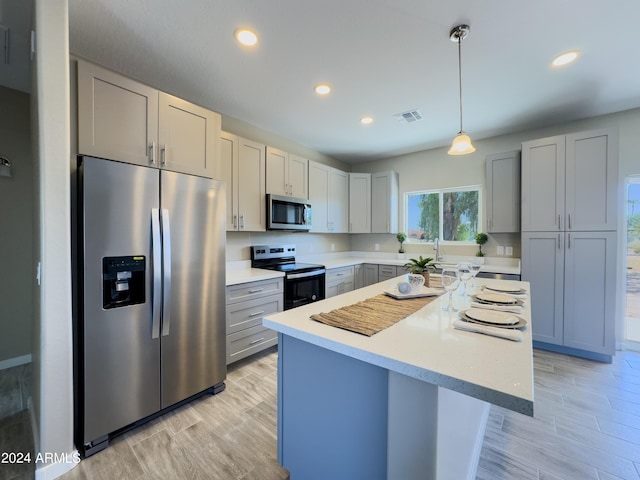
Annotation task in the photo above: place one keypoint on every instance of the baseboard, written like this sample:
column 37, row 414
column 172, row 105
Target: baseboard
column 62, row 464
column 574, row 352
column 15, row 361
column 34, row 424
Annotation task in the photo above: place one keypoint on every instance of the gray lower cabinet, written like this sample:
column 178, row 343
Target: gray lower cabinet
column 339, row 280
column 247, row 303
column 573, row 285
column 387, row 272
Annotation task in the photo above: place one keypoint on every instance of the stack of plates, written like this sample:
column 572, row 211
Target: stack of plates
column 492, row 318
column 496, row 299
column 506, row 289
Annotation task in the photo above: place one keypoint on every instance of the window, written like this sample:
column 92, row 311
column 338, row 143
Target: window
column 451, row 214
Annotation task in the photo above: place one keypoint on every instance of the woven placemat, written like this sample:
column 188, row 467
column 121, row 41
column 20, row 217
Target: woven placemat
column 373, row 314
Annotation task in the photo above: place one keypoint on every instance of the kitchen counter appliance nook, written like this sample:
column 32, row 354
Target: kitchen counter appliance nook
column 149, row 329
column 303, row 282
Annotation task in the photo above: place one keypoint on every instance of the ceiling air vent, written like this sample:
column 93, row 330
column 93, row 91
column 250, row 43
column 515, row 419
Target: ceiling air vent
column 409, row 116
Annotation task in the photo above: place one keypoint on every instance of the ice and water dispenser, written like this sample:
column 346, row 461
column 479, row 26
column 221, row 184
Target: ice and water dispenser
column 123, row 281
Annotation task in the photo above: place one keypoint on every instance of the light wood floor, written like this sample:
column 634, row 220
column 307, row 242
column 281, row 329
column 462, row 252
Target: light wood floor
column 586, row 426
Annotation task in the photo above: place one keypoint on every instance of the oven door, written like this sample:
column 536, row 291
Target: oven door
column 301, row 288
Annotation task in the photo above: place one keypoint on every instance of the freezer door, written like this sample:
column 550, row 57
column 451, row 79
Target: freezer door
column 120, row 369
column 193, row 324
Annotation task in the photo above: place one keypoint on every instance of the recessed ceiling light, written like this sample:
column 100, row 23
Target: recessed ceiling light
column 246, row 37
column 565, row 58
column 366, row 120
column 322, row 89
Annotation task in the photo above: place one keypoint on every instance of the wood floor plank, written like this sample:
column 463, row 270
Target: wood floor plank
column 495, row 465
column 619, row 430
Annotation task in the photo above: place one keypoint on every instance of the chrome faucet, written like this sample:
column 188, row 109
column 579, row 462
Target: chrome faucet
column 436, row 247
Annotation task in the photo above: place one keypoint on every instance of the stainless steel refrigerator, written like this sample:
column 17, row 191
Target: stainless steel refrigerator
column 150, row 327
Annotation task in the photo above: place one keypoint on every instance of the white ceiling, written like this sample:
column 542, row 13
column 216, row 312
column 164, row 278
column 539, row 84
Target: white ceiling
column 382, row 57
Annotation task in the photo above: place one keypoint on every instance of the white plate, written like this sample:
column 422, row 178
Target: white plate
column 423, row 292
column 521, row 322
column 492, row 316
column 497, row 298
column 505, row 289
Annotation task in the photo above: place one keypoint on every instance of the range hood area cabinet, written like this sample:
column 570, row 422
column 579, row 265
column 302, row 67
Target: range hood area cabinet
column 121, row 119
column 243, row 170
column 569, row 239
column 503, row 192
column 287, row 174
column 329, row 197
column 384, row 202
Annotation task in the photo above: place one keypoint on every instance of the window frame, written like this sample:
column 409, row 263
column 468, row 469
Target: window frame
column 441, row 192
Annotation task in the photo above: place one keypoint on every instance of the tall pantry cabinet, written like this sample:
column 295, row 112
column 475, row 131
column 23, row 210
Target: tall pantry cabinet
column 569, row 221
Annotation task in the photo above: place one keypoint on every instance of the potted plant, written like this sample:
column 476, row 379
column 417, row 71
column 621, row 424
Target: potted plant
column 421, row 266
column 481, row 239
column 401, row 237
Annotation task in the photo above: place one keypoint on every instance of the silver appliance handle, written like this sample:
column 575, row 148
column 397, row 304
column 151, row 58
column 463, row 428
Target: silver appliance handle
column 156, row 293
column 166, row 270
column 315, row 273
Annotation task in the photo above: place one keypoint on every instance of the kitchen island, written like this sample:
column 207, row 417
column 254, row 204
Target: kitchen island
column 410, row 402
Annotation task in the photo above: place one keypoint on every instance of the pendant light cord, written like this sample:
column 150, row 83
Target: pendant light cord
column 460, row 74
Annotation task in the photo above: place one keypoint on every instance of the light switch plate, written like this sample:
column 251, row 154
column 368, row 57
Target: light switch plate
column 508, row 251
column 500, row 250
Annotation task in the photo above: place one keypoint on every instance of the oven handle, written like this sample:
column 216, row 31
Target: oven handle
column 315, row 273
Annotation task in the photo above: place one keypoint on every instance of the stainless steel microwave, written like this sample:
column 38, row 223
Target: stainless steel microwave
column 288, row 213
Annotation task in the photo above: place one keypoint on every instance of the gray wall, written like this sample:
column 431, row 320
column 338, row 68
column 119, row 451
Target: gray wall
column 16, row 229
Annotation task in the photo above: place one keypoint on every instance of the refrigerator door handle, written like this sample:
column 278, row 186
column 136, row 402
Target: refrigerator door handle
column 157, row 273
column 166, row 264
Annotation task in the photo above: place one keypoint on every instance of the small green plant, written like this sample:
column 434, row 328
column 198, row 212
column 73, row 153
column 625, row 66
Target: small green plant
column 401, row 237
column 481, row 239
column 420, row 265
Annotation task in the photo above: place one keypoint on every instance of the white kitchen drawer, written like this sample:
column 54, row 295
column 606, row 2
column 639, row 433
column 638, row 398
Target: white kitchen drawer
column 249, row 313
column 249, row 341
column 339, row 274
column 251, row 290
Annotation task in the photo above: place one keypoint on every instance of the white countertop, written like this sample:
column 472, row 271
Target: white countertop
column 425, row 346
column 241, row 271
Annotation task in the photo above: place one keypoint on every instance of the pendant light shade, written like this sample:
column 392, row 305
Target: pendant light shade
column 461, row 144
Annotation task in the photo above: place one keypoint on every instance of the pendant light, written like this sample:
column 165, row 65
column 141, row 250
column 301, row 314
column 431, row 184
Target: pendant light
column 461, row 143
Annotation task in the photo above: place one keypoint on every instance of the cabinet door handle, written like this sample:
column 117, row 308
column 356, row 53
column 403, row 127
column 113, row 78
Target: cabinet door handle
column 152, row 153
column 256, row 290
column 255, row 314
column 163, row 155
column 559, row 227
column 568, row 241
column 558, row 241
column 235, row 221
column 241, row 221
column 257, row 340
column 339, row 274
column 569, row 222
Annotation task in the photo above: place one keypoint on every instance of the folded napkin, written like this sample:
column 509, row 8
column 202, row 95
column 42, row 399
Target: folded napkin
column 500, row 308
column 508, row 333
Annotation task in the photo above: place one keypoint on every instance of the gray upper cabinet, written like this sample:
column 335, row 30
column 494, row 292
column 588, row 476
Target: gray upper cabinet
column 359, row 203
column 503, row 192
column 384, row 202
column 124, row 120
column 243, row 167
column 117, row 117
column 543, row 183
column 329, row 197
column 570, row 182
column 287, row 174
column 591, row 180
